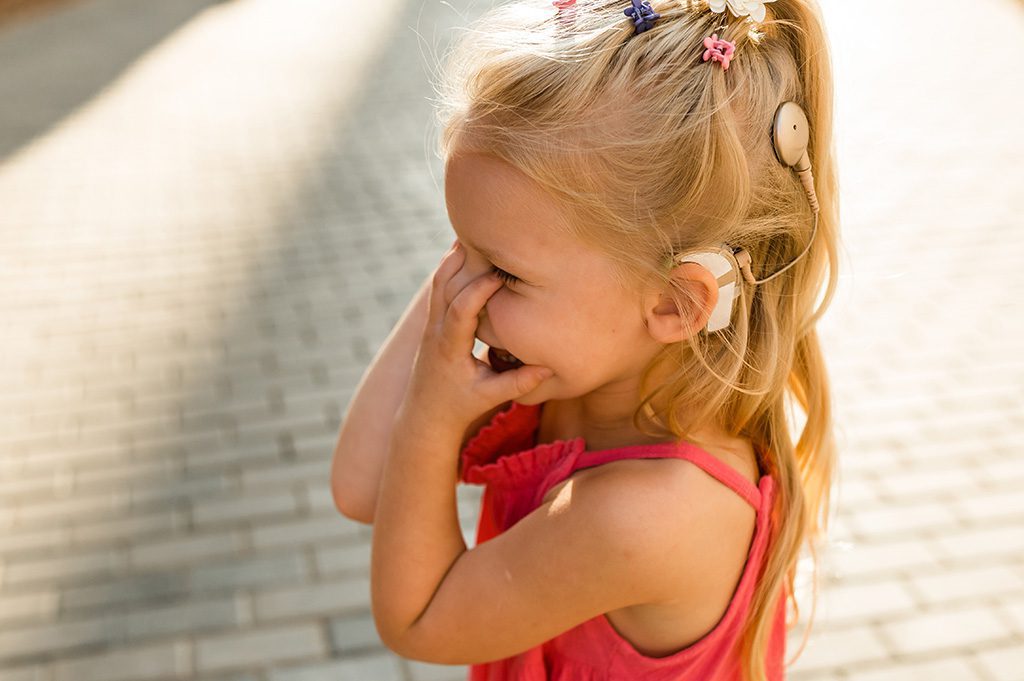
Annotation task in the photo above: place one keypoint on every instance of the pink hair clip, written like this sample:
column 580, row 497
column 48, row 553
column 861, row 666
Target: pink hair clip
column 719, row 50
column 566, row 12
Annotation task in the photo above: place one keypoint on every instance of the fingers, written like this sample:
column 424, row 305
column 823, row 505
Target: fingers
column 450, row 263
column 460, row 323
column 516, row 383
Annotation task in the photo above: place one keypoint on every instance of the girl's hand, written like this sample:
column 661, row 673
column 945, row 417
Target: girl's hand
column 448, row 385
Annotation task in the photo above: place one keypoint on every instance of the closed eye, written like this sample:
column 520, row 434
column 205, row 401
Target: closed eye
column 504, row 276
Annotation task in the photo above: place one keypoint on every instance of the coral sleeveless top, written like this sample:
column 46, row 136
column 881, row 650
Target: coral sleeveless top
column 516, row 473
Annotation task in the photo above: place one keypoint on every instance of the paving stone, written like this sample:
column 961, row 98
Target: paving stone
column 52, row 512
column 354, row 632
column 19, row 644
column 320, row 598
column 191, row 548
column 830, row 649
column 954, row 628
column 163, row 660
column 212, row 487
column 967, row 584
column 67, row 568
column 285, row 473
column 994, row 505
column 954, row 669
column 261, row 570
column 424, row 671
column 31, row 605
column 218, row 512
column 977, row 543
column 25, row 673
column 862, row 560
column 897, row 521
column 1003, row 663
column 210, row 614
column 377, row 667
column 860, row 602
column 136, row 526
column 314, row 530
column 125, row 591
column 35, row 541
column 258, row 647
column 319, row 498
column 349, row 559
column 1013, row 606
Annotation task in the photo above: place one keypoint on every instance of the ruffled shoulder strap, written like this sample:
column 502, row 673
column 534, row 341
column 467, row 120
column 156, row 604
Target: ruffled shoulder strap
column 510, row 431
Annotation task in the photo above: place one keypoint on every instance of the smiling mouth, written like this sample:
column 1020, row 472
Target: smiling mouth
column 502, row 360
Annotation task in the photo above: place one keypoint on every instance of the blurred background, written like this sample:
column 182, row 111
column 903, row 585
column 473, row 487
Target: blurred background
column 211, row 215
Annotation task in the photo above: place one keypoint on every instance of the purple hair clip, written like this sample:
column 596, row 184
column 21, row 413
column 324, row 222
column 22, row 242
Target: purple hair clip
column 719, row 50
column 642, row 14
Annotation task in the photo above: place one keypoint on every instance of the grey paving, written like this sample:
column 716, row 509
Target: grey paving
column 211, row 215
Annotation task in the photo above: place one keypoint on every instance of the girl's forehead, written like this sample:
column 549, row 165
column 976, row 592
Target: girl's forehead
column 481, row 183
column 497, row 209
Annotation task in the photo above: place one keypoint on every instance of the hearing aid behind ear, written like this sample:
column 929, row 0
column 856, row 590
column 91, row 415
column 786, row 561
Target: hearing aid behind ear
column 790, row 135
column 721, row 263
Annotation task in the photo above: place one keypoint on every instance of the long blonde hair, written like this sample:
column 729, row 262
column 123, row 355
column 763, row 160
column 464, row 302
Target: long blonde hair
column 653, row 152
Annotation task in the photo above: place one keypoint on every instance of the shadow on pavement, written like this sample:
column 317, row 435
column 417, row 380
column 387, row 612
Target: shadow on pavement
column 74, row 55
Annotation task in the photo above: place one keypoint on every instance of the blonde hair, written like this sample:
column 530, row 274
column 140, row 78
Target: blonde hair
column 651, row 152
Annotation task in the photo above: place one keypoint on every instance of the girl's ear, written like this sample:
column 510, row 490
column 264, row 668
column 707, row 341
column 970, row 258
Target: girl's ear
column 697, row 290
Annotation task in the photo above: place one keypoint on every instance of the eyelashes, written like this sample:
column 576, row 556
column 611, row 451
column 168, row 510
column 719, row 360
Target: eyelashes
column 504, row 276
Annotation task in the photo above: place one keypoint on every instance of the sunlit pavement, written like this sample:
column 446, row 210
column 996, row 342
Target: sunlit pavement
column 211, row 214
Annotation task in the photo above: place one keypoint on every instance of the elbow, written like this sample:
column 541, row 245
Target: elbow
column 397, row 639
column 411, row 645
column 350, row 501
column 391, row 642
column 350, row 506
column 389, row 628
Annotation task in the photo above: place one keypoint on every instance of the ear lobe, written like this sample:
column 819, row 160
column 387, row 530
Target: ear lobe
column 697, row 291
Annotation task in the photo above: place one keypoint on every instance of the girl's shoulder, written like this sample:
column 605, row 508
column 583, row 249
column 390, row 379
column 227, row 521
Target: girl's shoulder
column 703, row 529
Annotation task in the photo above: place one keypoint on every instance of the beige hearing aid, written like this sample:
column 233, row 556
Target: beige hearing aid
column 790, row 134
column 789, row 137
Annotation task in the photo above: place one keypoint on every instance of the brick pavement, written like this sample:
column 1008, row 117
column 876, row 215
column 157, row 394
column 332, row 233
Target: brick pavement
column 211, row 214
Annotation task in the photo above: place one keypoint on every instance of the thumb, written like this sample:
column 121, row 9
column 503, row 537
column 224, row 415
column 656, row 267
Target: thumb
column 526, row 378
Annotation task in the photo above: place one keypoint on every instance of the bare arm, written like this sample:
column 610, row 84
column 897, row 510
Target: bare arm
column 365, row 433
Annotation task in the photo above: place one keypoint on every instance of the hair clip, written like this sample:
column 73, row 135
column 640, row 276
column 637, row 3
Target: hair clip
column 642, row 14
column 566, row 12
column 719, row 50
column 741, row 8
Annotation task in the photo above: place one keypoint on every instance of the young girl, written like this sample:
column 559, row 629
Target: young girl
column 640, row 243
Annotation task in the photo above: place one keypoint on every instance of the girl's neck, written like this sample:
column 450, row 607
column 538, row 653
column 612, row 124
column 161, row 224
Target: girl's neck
column 606, row 422
column 606, row 429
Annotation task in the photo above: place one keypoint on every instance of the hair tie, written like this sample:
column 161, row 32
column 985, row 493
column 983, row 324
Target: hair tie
column 642, row 14
column 719, row 50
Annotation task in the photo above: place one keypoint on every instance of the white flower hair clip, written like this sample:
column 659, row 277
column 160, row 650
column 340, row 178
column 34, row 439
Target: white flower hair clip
column 741, row 8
